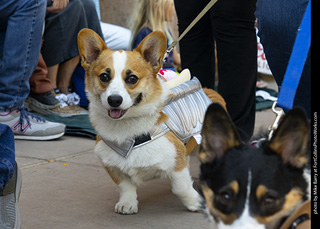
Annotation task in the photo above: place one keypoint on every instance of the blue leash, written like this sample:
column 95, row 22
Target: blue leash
column 294, row 70
column 296, row 62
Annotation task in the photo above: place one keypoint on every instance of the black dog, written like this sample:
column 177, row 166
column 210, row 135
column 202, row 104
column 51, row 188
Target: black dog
column 249, row 187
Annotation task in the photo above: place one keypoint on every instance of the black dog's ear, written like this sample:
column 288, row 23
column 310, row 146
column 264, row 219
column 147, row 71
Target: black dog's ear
column 290, row 140
column 218, row 134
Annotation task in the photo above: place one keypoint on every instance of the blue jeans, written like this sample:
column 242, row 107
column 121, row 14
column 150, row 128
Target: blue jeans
column 21, row 24
column 7, row 155
column 278, row 23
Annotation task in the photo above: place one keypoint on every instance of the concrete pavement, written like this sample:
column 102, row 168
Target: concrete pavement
column 65, row 186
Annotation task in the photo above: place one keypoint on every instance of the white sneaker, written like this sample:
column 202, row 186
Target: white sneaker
column 30, row 127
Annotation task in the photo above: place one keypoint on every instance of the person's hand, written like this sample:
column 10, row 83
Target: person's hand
column 57, row 6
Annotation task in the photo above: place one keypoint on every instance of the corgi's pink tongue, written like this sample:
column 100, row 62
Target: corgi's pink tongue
column 115, row 113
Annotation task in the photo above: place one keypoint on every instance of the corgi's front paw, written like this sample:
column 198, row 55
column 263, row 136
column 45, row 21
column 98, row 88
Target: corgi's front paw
column 126, row 207
column 194, row 203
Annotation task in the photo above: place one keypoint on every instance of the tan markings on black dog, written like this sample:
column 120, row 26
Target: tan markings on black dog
column 292, row 199
column 208, row 195
column 204, row 155
column 290, row 141
column 218, row 135
column 261, row 191
column 227, row 219
column 234, row 186
column 272, row 200
column 209, row 198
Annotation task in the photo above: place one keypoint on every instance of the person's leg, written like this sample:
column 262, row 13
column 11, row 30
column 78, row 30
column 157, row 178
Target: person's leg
column 89, row 18
column 197, row 47
column 10, row 180
column 65, row 72
column 233, row 25
column 278, row 23
column 41, row 96
column 39, row 83
column 19, row 54
column 19, row 57
column 52, row 75
column 7, row 155
column 92, row 18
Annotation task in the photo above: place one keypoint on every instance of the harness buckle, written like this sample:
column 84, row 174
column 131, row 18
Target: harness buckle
column 279, row 113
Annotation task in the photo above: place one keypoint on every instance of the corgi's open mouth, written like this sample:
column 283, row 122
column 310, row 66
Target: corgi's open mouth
column 116, row 113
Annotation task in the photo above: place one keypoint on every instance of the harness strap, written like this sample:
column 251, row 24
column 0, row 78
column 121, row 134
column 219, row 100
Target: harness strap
column 299, row 221
column 300, row 218
column 296, row 62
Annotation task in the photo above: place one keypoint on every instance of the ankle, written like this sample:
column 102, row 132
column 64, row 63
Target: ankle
column 64, row 90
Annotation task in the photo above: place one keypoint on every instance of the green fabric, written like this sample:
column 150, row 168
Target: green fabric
column 78, row 125
column 261, row 103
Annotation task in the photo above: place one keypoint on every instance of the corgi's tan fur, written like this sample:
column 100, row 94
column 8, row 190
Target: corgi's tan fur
column 132, row 75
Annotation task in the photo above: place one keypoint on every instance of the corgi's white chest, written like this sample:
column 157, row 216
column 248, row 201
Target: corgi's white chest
column 154, row 157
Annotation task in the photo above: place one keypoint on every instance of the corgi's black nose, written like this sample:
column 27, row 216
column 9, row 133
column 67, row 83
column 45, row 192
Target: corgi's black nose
column 115, row 100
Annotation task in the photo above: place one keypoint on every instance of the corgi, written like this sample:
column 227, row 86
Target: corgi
column 253, row 187
column 126, row 101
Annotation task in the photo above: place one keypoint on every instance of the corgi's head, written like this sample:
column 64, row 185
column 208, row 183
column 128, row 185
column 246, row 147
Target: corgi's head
column 119, row 82
column 249, row 187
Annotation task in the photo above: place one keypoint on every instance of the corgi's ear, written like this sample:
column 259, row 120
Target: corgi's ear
column 218, row 134
column 290, row 140
column 90, row 46
column 153, row 48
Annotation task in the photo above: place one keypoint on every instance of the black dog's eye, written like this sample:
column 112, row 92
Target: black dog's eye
column 268, row 201
column 225, row 198
column 132, row 79
column 105, row 77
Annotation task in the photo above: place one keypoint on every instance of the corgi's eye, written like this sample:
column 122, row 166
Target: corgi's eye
column 105, row 77
column 132, row 79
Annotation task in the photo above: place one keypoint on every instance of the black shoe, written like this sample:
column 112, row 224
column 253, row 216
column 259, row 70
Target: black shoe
column 40, row 102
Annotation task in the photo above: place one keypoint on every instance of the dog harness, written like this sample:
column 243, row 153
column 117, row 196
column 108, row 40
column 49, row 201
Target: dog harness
column 185, row 110
column 300, row 218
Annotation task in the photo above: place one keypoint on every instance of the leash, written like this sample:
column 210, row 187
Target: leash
column 296, row 62
column 200, row 15
column 294, row 69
